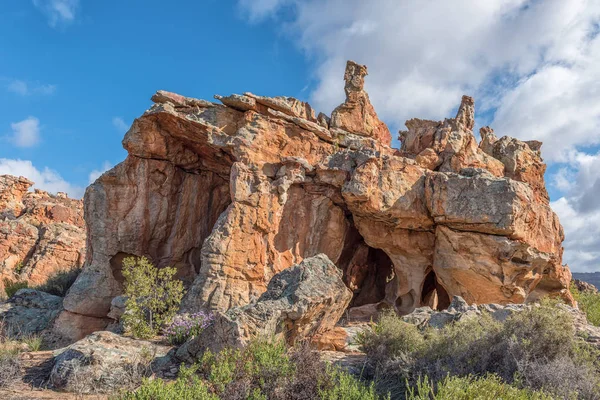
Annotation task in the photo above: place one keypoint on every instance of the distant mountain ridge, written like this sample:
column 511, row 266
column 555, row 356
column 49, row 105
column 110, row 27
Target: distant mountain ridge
column 589, row 277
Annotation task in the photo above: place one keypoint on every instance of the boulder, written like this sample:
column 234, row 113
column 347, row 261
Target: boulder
column 30, row 312
column 104, row 362
column 304, row 300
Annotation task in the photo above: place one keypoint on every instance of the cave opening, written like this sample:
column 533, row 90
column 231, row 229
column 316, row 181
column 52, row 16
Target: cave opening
column 367, row 270
column 433, row 294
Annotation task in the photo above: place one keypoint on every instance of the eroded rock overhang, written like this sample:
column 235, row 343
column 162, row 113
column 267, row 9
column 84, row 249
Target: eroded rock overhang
column 231, row 194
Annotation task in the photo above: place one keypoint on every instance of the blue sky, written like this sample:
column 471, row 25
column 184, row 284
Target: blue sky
column 85, row 80
column 75, row 73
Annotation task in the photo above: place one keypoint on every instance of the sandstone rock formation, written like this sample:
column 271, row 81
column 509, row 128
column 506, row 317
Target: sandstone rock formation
column 232, row 194
column 40, row 234
column 302, row 301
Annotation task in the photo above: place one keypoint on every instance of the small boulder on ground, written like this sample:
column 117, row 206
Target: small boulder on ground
column 104, row 361
column 302, row 301
column 29, row 312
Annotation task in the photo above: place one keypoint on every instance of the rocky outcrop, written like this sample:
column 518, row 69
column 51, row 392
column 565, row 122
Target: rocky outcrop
column 40, row 234
column 302, row 301
column 232, row 194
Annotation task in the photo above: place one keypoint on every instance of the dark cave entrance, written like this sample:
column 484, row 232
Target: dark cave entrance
column 366, row 270
column 433, row 294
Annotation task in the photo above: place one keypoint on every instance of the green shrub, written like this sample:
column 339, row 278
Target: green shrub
column 264, row 370
column 532, row 348
column 153, row 296
column 589, row 303
column 12, row 287
column 470, row 388
column 346, row 387
column 60, row 283
column 189, row 388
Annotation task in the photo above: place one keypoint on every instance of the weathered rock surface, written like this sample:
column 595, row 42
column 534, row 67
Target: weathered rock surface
column 40, row 234
column 302, row 301
column 104, row 362
column 30, row 312
column 232, row 194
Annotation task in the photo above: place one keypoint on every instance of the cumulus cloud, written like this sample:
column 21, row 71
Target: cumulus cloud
column 58, row 12
column 25, row 133
column 45, row 179
column 532, row 66
column 23, row 88
column 120, row 124
column 95, row 174
column 536, row 62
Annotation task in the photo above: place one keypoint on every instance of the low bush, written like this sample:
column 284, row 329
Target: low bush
column 589, row 303
column 531, row 348
column 60, row 283
column 470, row 388
column 184, row 327
column 262, row 370
column 11, row 287
column 153, row 297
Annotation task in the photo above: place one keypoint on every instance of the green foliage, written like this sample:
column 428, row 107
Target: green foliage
column 189, row 388
column 59, row 283
column 153, row 296
column 264, row 370
column 12, row 287
column 392, row 336
column 589, row 303
column 33, row 342
column 19, row 267
column 537, row 349
column 470, row 388
column 262, row 367
column 346, row 387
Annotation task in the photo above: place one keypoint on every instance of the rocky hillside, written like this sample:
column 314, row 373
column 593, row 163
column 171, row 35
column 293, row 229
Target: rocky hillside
column 231, row 194
column 40, row 234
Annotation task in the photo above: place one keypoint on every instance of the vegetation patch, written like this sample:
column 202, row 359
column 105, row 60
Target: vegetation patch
column 11, row 287
column 153, row 297
column 534, row 350
column 263, row 370
column 60, row 283
column 589, row 303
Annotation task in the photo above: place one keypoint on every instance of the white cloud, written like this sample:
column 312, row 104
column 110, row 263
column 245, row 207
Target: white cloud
column 45, row 179
column 120, row 124
column 26, row 133
column 532, row 66
column 257, row 10
column 32, row 88
column 537, row 61
column 58, row 12
column 95, row 174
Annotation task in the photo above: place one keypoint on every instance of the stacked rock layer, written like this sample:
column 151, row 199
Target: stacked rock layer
column 233, row 193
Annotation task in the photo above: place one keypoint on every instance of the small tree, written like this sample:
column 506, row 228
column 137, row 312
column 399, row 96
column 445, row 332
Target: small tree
column 153, row 296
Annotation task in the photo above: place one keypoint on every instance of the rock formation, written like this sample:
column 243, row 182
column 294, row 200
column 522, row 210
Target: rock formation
column 40, row 234
column 300, row 302
column 232, row 194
